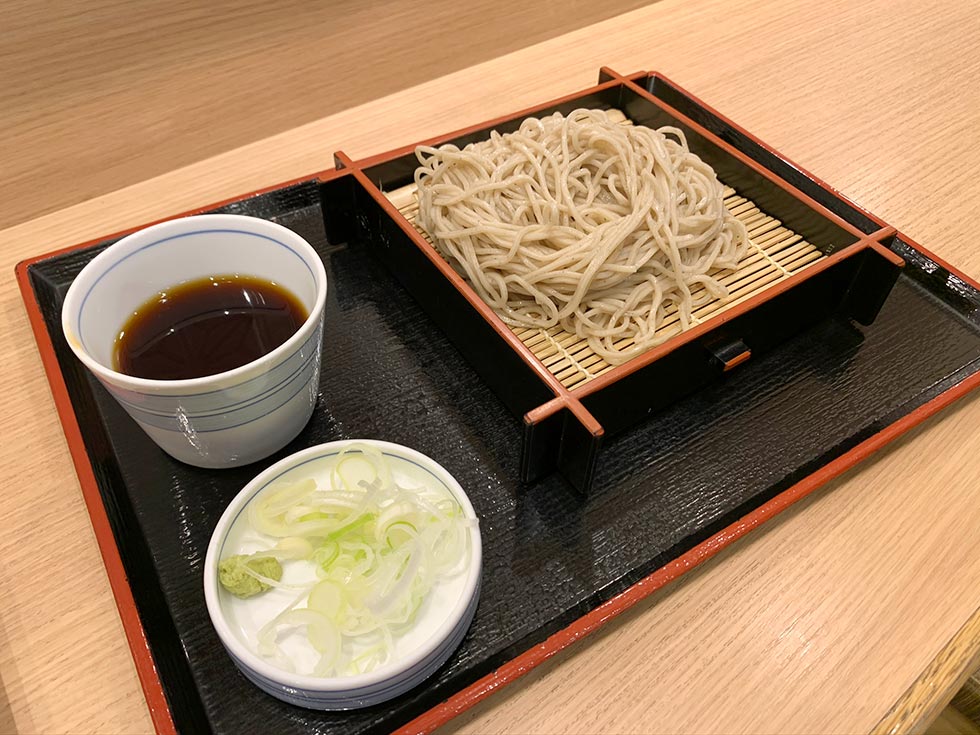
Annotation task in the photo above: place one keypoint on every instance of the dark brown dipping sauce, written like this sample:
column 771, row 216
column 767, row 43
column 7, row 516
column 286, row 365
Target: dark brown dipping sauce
column 207, row 326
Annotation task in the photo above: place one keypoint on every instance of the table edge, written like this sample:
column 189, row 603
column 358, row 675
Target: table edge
column 933, row 689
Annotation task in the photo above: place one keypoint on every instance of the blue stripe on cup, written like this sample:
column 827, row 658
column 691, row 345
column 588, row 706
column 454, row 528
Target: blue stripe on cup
column 181, row 421
column 81, row 309
column 145, row 405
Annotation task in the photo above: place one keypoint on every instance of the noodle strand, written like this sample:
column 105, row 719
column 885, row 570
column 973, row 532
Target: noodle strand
column 583, row 222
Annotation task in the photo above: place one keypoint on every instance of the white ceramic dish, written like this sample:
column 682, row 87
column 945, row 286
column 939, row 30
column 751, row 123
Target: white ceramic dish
column 439, row 627
column 230, row 418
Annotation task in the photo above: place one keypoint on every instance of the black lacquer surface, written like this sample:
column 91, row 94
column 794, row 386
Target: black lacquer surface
column 549, row 555
column 683, row 103
column 857, row 286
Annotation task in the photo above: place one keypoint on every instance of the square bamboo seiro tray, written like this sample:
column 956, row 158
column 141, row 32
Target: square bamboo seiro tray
column 807, row 259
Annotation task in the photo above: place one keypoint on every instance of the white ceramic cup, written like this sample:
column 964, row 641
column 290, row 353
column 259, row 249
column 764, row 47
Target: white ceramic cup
column 221, row 420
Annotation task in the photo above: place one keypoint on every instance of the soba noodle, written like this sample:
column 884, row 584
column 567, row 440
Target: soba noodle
column 602, row 228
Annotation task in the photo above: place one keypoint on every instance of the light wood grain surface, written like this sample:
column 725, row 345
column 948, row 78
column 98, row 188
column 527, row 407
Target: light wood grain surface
column 857, row 605
column 98, row 95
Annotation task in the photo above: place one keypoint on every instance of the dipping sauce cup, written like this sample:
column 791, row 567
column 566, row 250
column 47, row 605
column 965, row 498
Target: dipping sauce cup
column 228, row 418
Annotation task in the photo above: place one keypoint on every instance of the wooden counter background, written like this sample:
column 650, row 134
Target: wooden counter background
column 114, row 92
column 856, row 608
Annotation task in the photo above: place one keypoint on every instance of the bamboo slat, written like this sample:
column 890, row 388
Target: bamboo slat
column 775, row 253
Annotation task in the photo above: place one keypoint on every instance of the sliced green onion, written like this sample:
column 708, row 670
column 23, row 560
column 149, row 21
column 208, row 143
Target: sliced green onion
column 377, row 549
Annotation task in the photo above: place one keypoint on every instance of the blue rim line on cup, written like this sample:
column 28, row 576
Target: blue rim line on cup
column 265, row 412
column 107, row 271
column 231, row 406
column 158, row 419
column 166, row 386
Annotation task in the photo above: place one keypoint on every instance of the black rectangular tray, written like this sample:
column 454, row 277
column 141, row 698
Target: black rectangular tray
column 740, row 449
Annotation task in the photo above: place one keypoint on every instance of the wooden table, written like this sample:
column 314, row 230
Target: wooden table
column 858, row 609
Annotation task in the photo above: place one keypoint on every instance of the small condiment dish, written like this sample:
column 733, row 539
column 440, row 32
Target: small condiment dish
column 438, row 627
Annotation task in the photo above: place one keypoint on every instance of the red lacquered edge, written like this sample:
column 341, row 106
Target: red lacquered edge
column 815, row 179
column 522, row 664
column 482, row 308
column 889, row 255
column 614, row 81
column 939, row 261
column 591, row 621
column 572, row 396
column 713, row 322
column 746, row 159
column 507, row 334
column 146, row 669
column 325, row 175
column 736, row 361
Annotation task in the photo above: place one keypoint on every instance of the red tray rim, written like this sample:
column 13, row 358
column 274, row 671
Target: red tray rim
column 522, row 663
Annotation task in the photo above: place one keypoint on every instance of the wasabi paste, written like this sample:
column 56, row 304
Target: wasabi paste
column 240, row 574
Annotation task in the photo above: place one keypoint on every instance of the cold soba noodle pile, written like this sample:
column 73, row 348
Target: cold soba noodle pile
column 583, row 222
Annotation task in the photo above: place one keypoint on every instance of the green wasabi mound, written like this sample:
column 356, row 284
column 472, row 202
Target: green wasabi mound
column 240, row 574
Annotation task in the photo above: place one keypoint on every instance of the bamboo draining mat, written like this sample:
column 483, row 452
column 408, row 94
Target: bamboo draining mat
column 775, row 253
